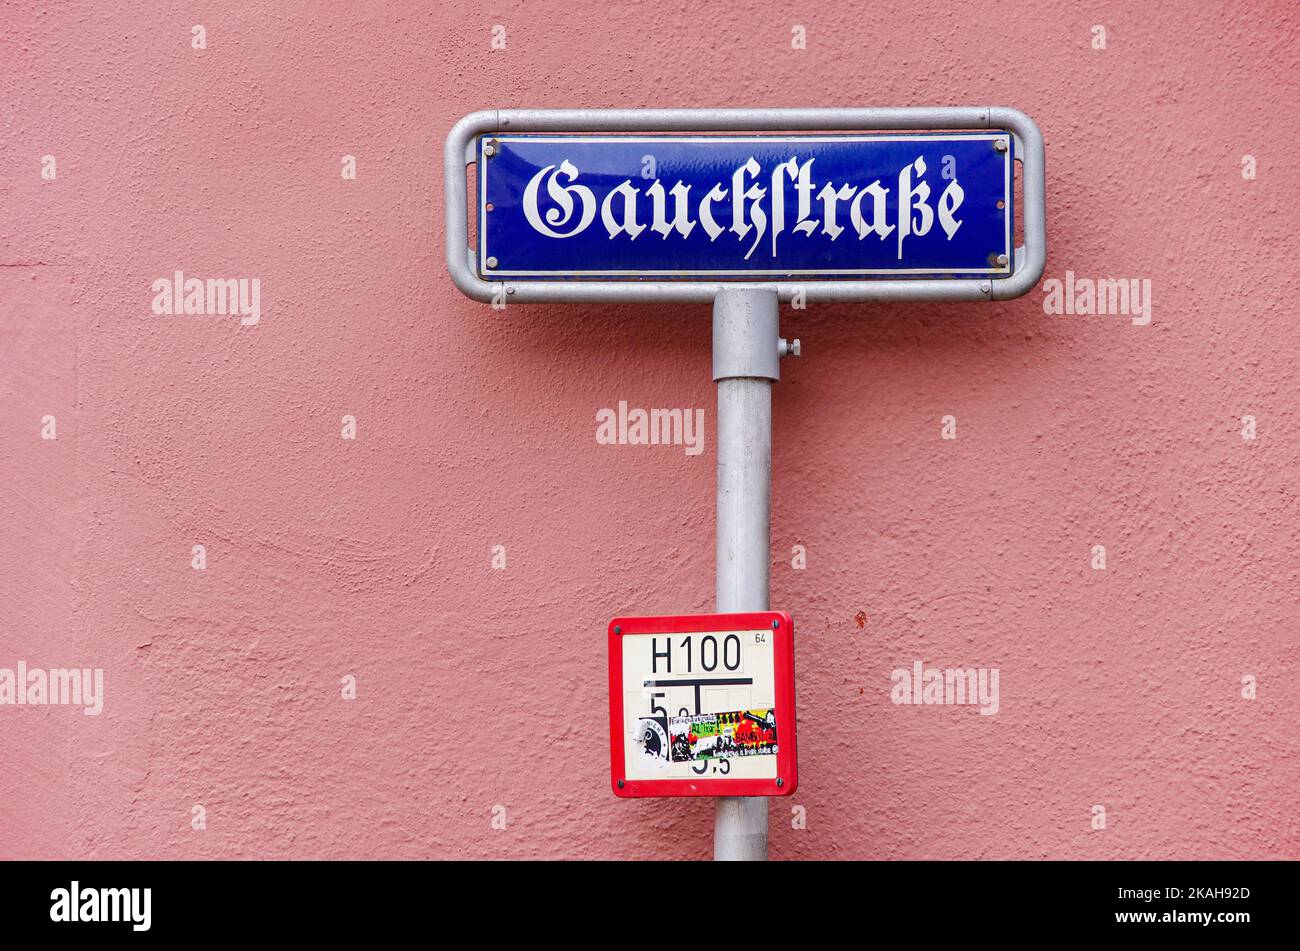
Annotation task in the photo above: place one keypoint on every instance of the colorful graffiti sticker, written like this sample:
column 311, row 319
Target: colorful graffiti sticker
column 722, row 735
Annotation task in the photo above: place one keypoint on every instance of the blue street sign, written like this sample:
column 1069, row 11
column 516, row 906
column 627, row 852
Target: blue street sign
column 701, row 207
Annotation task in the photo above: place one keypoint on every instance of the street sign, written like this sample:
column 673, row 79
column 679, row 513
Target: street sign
column 743, row 209
column 701, row 207
column 702, row 705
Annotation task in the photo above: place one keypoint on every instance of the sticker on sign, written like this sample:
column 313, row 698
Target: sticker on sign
column 702, row 705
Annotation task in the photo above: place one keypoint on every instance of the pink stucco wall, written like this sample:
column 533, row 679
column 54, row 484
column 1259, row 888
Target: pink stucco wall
column 479, row 688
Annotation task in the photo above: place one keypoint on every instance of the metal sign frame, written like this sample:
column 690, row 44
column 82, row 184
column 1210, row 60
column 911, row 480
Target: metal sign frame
column 462, row 150
column 787, row 771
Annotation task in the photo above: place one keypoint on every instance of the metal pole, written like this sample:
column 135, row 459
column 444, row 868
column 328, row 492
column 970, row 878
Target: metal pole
column 746, row 360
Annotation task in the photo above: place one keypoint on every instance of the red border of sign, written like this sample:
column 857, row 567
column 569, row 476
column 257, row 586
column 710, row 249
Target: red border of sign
column 787, row 771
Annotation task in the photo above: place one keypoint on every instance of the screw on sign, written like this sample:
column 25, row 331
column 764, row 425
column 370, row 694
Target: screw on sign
column 742, row 209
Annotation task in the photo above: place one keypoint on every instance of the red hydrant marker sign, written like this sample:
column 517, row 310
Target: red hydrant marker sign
column 702, row 705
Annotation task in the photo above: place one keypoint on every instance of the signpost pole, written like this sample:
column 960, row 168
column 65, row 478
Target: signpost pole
column 745, row 365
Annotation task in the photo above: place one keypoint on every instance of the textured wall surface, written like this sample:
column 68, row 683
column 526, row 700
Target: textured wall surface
column 327, row 557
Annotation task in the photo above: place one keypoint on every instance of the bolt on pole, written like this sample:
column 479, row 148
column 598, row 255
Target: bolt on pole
column 746, row 360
